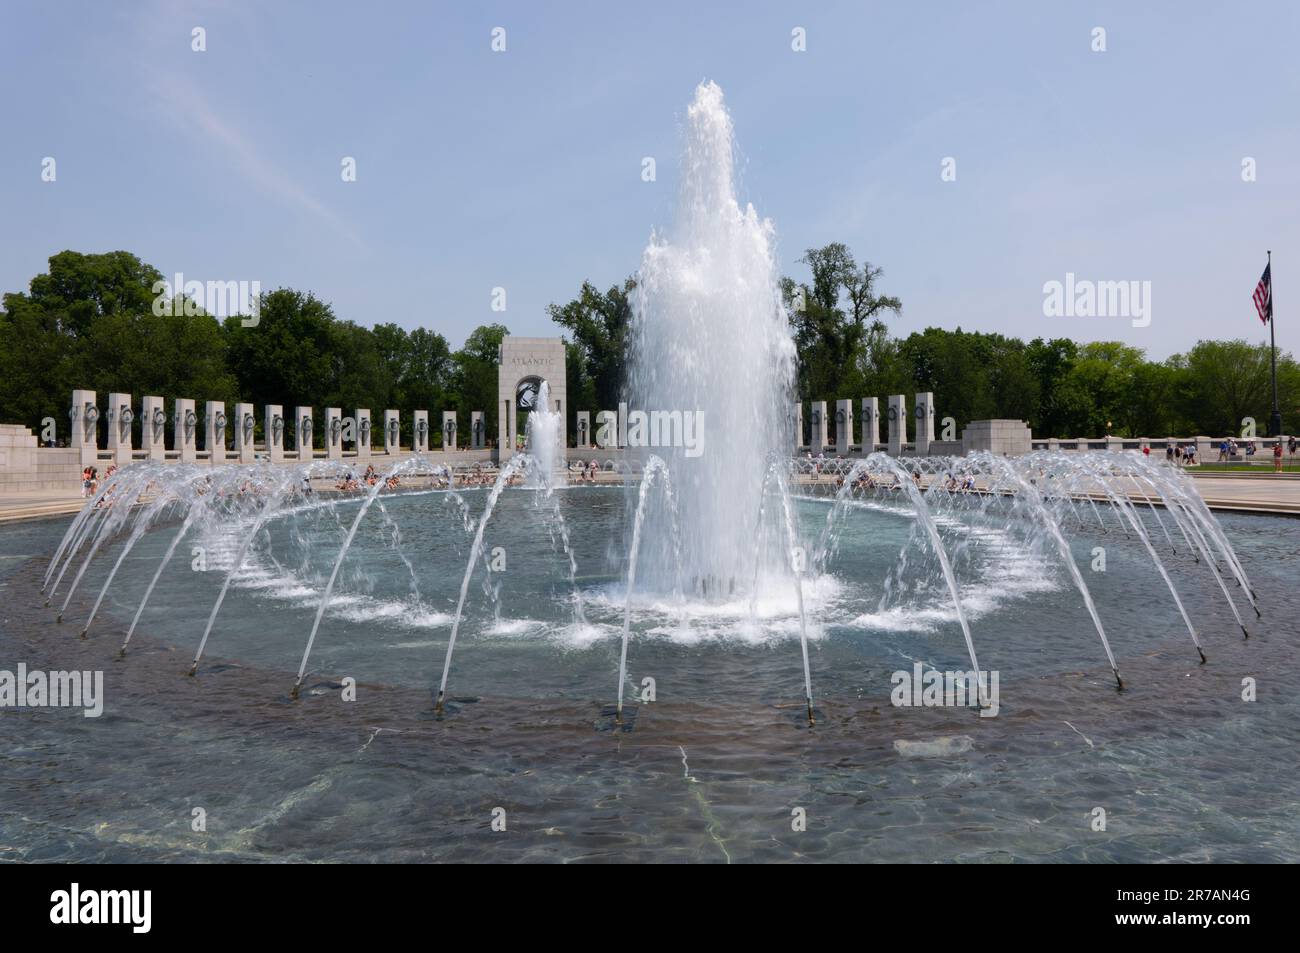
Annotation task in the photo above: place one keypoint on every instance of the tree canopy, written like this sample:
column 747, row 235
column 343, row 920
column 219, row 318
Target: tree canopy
column 90, row 321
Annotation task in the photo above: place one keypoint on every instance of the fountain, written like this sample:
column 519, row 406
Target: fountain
column 705, row 548
column 323, row 612
column 710, row 335
column 542, row 440
column 538, row 464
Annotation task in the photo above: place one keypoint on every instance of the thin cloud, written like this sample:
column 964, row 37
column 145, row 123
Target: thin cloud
column 187, row 107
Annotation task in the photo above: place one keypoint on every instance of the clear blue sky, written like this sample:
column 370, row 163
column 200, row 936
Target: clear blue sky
column 522, row 169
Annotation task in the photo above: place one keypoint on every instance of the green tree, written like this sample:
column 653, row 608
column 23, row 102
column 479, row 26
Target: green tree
column 89, row 322
column 428, row 379
column 1220, row 383
column 1049, row 362
column 1105, row 370
column 600, row 322
column 832, row 319
column 83, row 288
column 580, row 385
column 475, row 377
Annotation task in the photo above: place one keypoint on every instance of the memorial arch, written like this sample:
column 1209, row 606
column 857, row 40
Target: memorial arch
column 524, row 363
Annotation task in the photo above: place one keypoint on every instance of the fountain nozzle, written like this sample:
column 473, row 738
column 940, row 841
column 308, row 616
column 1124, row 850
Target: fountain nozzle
column 193, row 668
column 1245, row 633
column 84, row 631
column 811, row 720
column 1202, row 651
column 293, row 692
column 437, row 705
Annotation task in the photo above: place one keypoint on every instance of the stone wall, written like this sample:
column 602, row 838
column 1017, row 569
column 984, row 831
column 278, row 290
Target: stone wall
column 25, row 466
column 1002, row 437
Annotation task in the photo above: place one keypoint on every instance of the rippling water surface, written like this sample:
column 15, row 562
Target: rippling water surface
column 713, row 768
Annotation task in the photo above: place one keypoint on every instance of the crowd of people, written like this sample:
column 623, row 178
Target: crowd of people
column 348, row 481
column 90, row 483
column 476, row 476
column 1230, row 451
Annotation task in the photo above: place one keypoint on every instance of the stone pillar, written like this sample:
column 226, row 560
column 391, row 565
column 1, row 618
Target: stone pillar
column 584, row 430
column 214, row 424
column 449, row 430
column 477, row 430
column 83, row 417
column 897, row 424
column 797, row 419
column 870, row 424
column 245, row 433
column 562, row 432
column 119, row 417
column 819, row 429
column 363, row 435
column 273, row 424
column 420, row 431
column 185, row 429
column 333, row 433
column 153, row 428
column 924, row 422
column 304, row 430
column 392, row 432
column 843, row 426
column 505, row 429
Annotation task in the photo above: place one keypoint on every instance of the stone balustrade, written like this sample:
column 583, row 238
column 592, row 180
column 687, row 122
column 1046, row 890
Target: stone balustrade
column 121, row 432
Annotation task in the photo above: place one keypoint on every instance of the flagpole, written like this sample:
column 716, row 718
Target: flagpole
column 1275, row 418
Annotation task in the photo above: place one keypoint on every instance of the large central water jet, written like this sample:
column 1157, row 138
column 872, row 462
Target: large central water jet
column 710, row 336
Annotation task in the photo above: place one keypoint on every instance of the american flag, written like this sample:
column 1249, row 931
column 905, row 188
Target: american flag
column 1264, row 294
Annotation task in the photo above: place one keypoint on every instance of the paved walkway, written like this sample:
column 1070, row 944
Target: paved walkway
column 1245, row 494
column 1250, row 493
column 35, row 504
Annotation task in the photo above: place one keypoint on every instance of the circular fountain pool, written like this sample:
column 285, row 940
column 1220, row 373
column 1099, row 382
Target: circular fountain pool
column 547, row 595
column 713, row 766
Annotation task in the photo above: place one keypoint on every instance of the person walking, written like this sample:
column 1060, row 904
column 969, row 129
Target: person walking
column 1277, row 456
